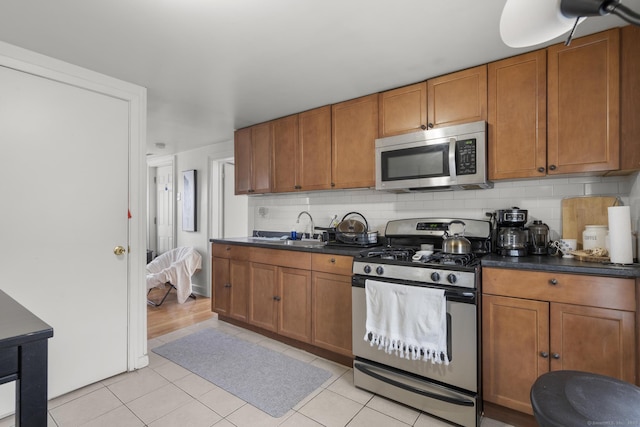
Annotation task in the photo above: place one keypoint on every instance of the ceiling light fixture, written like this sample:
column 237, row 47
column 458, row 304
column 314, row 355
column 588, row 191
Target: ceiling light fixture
column 530, row 22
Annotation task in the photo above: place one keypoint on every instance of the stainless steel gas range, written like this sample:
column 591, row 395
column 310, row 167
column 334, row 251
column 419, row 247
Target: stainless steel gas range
column 450, row 389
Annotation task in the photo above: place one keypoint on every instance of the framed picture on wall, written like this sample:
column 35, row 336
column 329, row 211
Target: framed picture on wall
column 189, row 200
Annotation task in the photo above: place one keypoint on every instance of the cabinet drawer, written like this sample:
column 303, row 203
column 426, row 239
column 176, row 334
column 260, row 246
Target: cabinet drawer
column 596, row 291
column 219, row 250
column 282, row 258
column 335, row 264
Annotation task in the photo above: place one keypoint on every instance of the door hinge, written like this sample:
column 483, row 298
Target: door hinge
column 155, row 221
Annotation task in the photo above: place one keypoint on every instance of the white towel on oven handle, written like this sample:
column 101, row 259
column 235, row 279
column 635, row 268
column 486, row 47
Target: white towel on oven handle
column 407, row 320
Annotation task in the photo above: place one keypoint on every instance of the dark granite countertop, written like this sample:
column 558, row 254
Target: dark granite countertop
column 258, row 242
column 536, row 263
column 562, row 265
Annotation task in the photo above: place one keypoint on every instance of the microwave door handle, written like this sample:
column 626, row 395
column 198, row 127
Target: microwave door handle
column 452, row 160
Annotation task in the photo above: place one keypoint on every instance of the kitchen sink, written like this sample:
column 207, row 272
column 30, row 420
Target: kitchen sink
column 304, row 243
column 309, row 243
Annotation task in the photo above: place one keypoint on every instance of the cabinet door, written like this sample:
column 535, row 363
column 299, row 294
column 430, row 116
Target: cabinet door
column 331, row 312
column 261, row 157
column 242, row 158
column 583, row 103
column 239, row 290
column 594, row 340
column 403, row 110
column 314, row 149
column 263, row 296
column 629, row 97
column 221, row 285
column 517, row 97
column 515, row 349
column 457, row 98
column 294, row 304
column 354, row 131
column 285, row 153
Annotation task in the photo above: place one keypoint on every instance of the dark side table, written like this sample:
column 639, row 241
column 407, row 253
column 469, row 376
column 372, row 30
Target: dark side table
column 574, row 398
column 23, row 359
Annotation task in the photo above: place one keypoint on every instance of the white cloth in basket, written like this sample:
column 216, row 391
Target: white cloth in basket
column 176, row 267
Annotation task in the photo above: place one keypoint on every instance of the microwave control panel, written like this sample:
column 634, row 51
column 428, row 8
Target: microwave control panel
column 466, row 157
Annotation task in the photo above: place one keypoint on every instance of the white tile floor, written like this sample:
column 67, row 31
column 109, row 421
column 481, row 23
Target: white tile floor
column 165, row 394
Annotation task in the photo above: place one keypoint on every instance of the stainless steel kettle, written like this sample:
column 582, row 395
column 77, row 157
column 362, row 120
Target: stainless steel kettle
column 456, row 244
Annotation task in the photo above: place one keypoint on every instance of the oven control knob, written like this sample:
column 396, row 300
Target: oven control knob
column 452, row 278
column 367, row 269
column 435, row 276
column 379, row 270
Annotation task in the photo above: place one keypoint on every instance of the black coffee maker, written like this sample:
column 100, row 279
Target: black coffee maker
column 511, row 234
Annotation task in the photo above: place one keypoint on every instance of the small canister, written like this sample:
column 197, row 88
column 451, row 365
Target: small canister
column 594, row 236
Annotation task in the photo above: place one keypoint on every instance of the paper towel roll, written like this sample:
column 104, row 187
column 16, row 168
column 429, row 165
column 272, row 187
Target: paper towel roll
column 620, row 234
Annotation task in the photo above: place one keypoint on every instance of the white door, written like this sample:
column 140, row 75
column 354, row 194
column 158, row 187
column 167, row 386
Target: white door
column 164, row 209
column 235, row 208
column 64, row 184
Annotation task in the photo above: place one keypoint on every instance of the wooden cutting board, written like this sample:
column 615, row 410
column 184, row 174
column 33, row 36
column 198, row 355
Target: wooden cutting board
column 580, row 211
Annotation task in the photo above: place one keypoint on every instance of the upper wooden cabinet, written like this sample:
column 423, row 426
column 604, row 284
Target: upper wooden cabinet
column 561, row 110
column 457, row 98
column 629, row 98
column 354, row 131
column 285, row 154
column 252, row 152
column 302, row 151
column 314, row 149
column 517, row 101
column 452, row 99
column 584, row 104
column 403, row 110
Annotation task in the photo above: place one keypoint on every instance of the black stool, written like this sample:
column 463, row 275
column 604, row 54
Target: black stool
column 573, row 398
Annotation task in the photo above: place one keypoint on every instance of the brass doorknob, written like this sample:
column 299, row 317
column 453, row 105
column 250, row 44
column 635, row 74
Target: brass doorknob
column 119, row 250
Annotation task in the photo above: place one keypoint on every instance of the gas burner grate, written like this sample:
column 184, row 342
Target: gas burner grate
column 457, row 259
column 449, row 259
column 406, row 254
column 396, row 254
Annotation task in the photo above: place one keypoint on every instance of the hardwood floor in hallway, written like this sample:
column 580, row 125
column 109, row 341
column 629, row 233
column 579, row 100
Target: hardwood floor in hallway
column 171, row 316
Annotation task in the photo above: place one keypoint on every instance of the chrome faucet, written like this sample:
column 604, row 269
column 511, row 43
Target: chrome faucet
column 311, row 219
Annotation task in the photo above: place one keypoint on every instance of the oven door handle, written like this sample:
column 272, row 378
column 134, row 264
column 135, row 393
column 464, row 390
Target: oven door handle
column 448, row 399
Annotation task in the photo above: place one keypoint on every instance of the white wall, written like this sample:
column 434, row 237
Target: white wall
column 541, row 198
column 199, row 160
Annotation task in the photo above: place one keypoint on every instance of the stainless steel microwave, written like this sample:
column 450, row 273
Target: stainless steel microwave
column 447, row 158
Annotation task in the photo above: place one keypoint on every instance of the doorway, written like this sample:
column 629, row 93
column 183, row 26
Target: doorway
column 161, row 230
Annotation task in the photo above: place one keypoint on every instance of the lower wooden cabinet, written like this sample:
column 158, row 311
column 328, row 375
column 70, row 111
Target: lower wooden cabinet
column 332, row 312
column 535, row 322
column 515, row 333
column 281, row 300
column 298, row 295
column 230, row 276
column 263, row 285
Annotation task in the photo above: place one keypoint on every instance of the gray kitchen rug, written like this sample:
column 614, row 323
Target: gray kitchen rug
column 268, row 380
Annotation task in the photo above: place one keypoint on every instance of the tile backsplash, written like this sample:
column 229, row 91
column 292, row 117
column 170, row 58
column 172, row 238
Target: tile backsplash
column 542, row 198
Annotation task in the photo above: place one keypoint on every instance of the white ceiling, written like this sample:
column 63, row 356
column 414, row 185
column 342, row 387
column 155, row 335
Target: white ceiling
column 212, row 66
